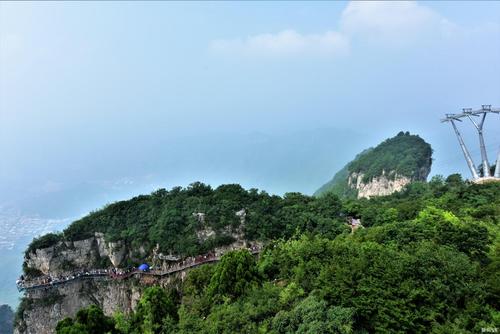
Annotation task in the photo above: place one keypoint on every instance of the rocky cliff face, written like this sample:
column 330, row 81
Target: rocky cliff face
column 383, row 185
column 378, row 186
column 42, row 309
column 88, row 253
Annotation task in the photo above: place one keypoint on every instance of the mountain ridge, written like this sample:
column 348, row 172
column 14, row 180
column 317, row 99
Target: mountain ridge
column 383, row 169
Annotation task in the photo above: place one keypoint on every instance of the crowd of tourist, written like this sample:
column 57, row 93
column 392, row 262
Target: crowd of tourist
column 48, row 281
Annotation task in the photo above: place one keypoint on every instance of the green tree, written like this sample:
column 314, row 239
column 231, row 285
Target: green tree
column 90, row 320
column 234, row 275
column 156, row 312
column 313, row 316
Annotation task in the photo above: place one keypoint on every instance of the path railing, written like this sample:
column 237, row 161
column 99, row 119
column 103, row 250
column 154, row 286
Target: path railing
column 48, row 282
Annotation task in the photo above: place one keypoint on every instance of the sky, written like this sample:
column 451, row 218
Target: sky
column 101, row 101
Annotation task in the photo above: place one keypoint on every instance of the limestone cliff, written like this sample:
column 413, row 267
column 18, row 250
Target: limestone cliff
column 41, row 309
column 64, row 256
column 378, row 186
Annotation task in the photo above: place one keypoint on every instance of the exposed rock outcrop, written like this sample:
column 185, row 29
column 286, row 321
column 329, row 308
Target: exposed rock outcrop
column 43, row 308
column 382, row 185
column 67, row 255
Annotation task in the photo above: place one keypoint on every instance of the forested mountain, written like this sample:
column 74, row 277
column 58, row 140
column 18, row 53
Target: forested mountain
column 427, row 260
column 384, row 169
column 171, row 219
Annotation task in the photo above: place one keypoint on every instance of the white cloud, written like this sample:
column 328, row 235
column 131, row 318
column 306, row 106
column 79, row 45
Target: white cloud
column 380, row 23
column 393, row 22
column 286, row 42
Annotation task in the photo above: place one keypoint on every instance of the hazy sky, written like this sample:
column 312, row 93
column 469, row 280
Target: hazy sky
column 106, row 99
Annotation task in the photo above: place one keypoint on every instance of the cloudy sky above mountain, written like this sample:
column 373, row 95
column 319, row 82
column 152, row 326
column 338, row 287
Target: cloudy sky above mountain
column 100, row 101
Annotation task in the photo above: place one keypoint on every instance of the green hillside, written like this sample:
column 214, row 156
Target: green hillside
column 403, row 155
column 167, row 218
column 427, row 261
column 338, row 185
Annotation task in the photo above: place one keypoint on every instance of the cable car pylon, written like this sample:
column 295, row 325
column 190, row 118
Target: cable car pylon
column 469, row 113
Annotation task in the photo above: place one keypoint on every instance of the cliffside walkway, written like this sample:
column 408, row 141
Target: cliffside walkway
column 48, row 282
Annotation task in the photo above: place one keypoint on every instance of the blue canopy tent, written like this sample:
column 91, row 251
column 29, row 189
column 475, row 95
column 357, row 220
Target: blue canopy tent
column 144, row 267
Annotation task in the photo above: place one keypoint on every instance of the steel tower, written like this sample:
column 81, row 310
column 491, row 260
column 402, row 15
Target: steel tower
column 469, row 113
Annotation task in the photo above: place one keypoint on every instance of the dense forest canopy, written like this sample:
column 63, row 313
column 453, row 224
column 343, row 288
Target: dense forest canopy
column 403, row 155
column 168, row 218
column 427, row 261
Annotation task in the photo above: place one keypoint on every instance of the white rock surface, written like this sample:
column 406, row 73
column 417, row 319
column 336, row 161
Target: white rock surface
column 382, row 185
column 76, row 254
